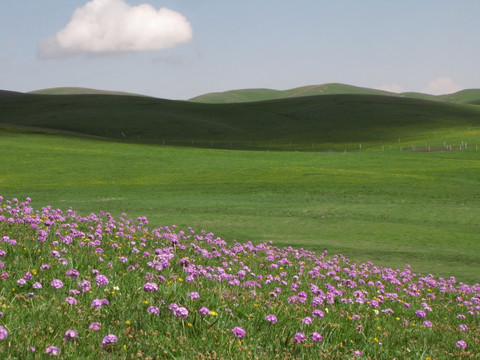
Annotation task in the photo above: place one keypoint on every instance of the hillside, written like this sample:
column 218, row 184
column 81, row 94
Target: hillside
column 77, row 91
column 249, row 95
column 330, row 121
column 470, row 96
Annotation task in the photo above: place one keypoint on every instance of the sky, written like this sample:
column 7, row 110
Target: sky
column 178, row 49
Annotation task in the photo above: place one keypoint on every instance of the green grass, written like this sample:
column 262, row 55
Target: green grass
column 102, row 287
column 389, row 207
column 469, row 96
column 326, row 123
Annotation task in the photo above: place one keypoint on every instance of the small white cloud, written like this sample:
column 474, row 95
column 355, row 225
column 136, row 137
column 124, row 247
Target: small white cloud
column 442, row 85
column 392, row 88
column 113, row 26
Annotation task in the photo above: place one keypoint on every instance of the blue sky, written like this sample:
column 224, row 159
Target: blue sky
column 200, row 46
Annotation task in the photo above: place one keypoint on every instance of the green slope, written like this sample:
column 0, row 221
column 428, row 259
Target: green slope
column 77, row 91
column 470, row 96
column 334, row 122
column 249, row 95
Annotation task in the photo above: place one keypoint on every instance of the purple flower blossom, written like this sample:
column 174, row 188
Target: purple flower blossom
column 53, row 351
column 316, row 336
column 98, row 303
column 101, row 280
column 461, row 344
column 71, row 300
column 238, row 332
column 21, row 282
column 420, row 314
column 318, row 313
column 180, row 312
column 153, row 310
column 150, row 287
column 94, row 326
column 271, row 318
column 85, row 285
column 194, row 295
column 307, row 320
column 463, row 327
column 3, row 333
column 108, row 340
column 37, row 285
column 70, row 335
column 72, row 273
column 56, row 284
column 204, row 311
column 427, row 323
column 299, row 337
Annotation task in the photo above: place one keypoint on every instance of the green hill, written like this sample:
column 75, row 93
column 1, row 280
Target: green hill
column 325, row 122
column 77, row 91
column 249, row 95
column 470, row 96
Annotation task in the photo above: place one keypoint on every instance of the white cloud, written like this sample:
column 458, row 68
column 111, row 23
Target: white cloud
column 113, row 26
column 392, row 88
column 440, row 86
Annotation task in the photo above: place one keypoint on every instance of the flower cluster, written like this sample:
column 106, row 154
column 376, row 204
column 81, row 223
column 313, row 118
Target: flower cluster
column 180, row 291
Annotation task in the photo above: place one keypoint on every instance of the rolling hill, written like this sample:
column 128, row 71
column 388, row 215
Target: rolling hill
column 329, row 121
column 470, row 96
column 78, row 91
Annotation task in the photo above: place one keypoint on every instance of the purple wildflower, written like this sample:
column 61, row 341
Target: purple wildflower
column 461, row 344
column 180, row 312
column 3, row 333
column 98, row 303
column 238, row 332
column 37, row 285
column 427, row 323
column 463, row 327
column 71, row 300
column 109, row 339
column 21, row 282
column 307, row 320
column 204, row 311
column 150, row 287
column 316, row 336
column 53, row 350
column 153, row 310
column 271, row 318
column 318, row 313
column 194, row 295
column 56, row 284
column 94, row 326
column 420, row 314
column 70, row 335
column 299, row 337
column 72, row 273
column 101, row 280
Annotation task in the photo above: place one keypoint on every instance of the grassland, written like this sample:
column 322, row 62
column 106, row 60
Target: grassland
column 389, row 207
column 331, row 172
column 324, row 122
column 469, row 96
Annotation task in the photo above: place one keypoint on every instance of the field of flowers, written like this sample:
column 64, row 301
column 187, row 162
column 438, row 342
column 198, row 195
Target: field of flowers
column 86, row 287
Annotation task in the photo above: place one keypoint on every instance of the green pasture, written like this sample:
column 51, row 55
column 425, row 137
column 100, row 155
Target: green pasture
column 383, row 205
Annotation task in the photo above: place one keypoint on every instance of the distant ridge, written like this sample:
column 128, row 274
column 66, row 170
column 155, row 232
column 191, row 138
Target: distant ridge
column 470, row 96
column 78, row 91
column 329, row 122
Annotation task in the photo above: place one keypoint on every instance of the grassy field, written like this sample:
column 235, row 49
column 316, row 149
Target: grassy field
column 391, row 207
column 315, row 123
column 469, row 96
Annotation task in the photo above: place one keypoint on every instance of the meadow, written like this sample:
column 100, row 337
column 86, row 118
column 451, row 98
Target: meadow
column 390, row 207
column 311, row 227
column 97, row 286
